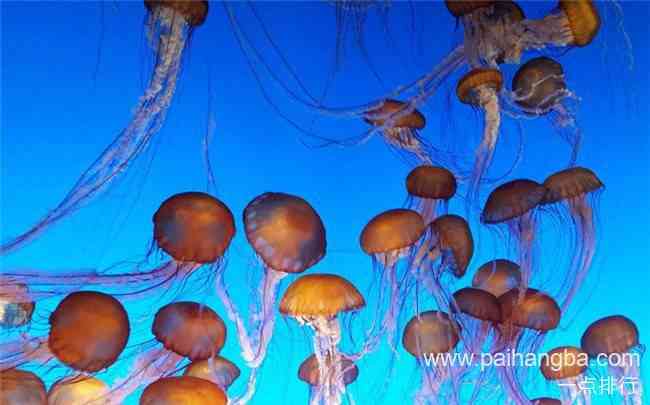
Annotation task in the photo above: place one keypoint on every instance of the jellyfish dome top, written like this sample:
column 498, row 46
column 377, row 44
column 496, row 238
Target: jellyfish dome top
column 532, row 310
column 426, row 186
column 217, row 369
column 483, row 311
column 400, row 123
column 193, row 11
column 570, row 184
column 459, row 8
column 20, row 387
column 545, row 401
column 453, row 239
column 183, row 390
column 81, row 347
column 310, row 373
column 16, row 308
column 79, row 390
column 189, row 329
column 193, row 227
column 566, row 365
column 497, row 277
column 539, row 85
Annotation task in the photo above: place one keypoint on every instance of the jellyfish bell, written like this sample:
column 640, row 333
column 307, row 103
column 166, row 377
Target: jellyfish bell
column 472, row 87
column 79, row 390
column 460, row 8
column 16, row 307
column 497, row 277
column 566, row 365
column 426, row 186
column 309, row 371
column 482, row 310
column 217, row 369
column 545, row 401
column 20, row 387
column 583, row 20
column 539, row 85
column 535, row 310
column 193, row 11
column 570, row 184
column 183, row 390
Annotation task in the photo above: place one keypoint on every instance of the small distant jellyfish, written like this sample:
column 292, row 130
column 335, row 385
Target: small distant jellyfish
column 71, row 341
column 514, row 204
column 497, row 277
column 614, row 340
column 217, row 369
column 545, row 401
column 429, row 187
column 185, row 329
column 79, row 390
column 317, row 300
column 310, row 372
column 183, row 390
column 480, row 88
column 388, row 238
column 430, row 334
column 288, row 237
column 400, row 123
column 528, row 312
column 567, row 365
column 169, row 26
column 572, row 191
column 16, row 308
column 20, row 387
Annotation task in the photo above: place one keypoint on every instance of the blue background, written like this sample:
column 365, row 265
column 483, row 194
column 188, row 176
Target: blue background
column 72, row 72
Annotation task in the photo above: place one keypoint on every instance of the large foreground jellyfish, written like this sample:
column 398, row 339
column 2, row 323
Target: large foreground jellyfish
column 316, row 300
column 183, row 390
column 571, row 191
column 194, row 228
column 614, row 340
column 169, row 26
column 288, row 237
column 514, row 204
column 70, row 339
column 567, row 365
column 79, row 390
column 184, row 329
column 310, row 372
column 21, row 387
column 526, row 316
column 428, row 188
column 388, row 238
column 427, row 335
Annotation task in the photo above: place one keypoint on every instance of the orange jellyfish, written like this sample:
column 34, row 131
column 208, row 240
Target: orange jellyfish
column 185, row 329
column 567, row 365
column 183, row 390
column 400, row 124
column 514, row 204
column 194, row 228
column 428, row 336
column 427, row 186
column 497, row 277
column 317, row 300
column 545, row 401
column 70, row 340
column 20, row 387
column 480, row 88
column 79, row 390
column 311, row 373
column 288, row 236
column 217, row 369
column 573, row 191
column 527, row 315
column 614, row 341
column 388, row 238
column 169, row 26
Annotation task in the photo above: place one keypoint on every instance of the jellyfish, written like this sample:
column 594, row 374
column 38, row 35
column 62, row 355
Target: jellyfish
column 79, row 390
column 566, row 365
column 288, row 237
column 316, row 300
column 217, row 369
column 497, row 277
column 480, row 88
column 571, row 190
column 426, row 336
column 20, row 387
column 515, row 204
column 310, row 373
column 184, row 329
column 169, row 27
column 388, row 238
column 526, row 317
column 614, row 340
column 400, row 124
column 194, row 228
column 15, row 308
column 183, row 390
column 545, row 401
column 427, row 186
column 70, row 340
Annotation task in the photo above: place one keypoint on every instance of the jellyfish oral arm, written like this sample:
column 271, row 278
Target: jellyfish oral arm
column 551, row 30
column 326, row 339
